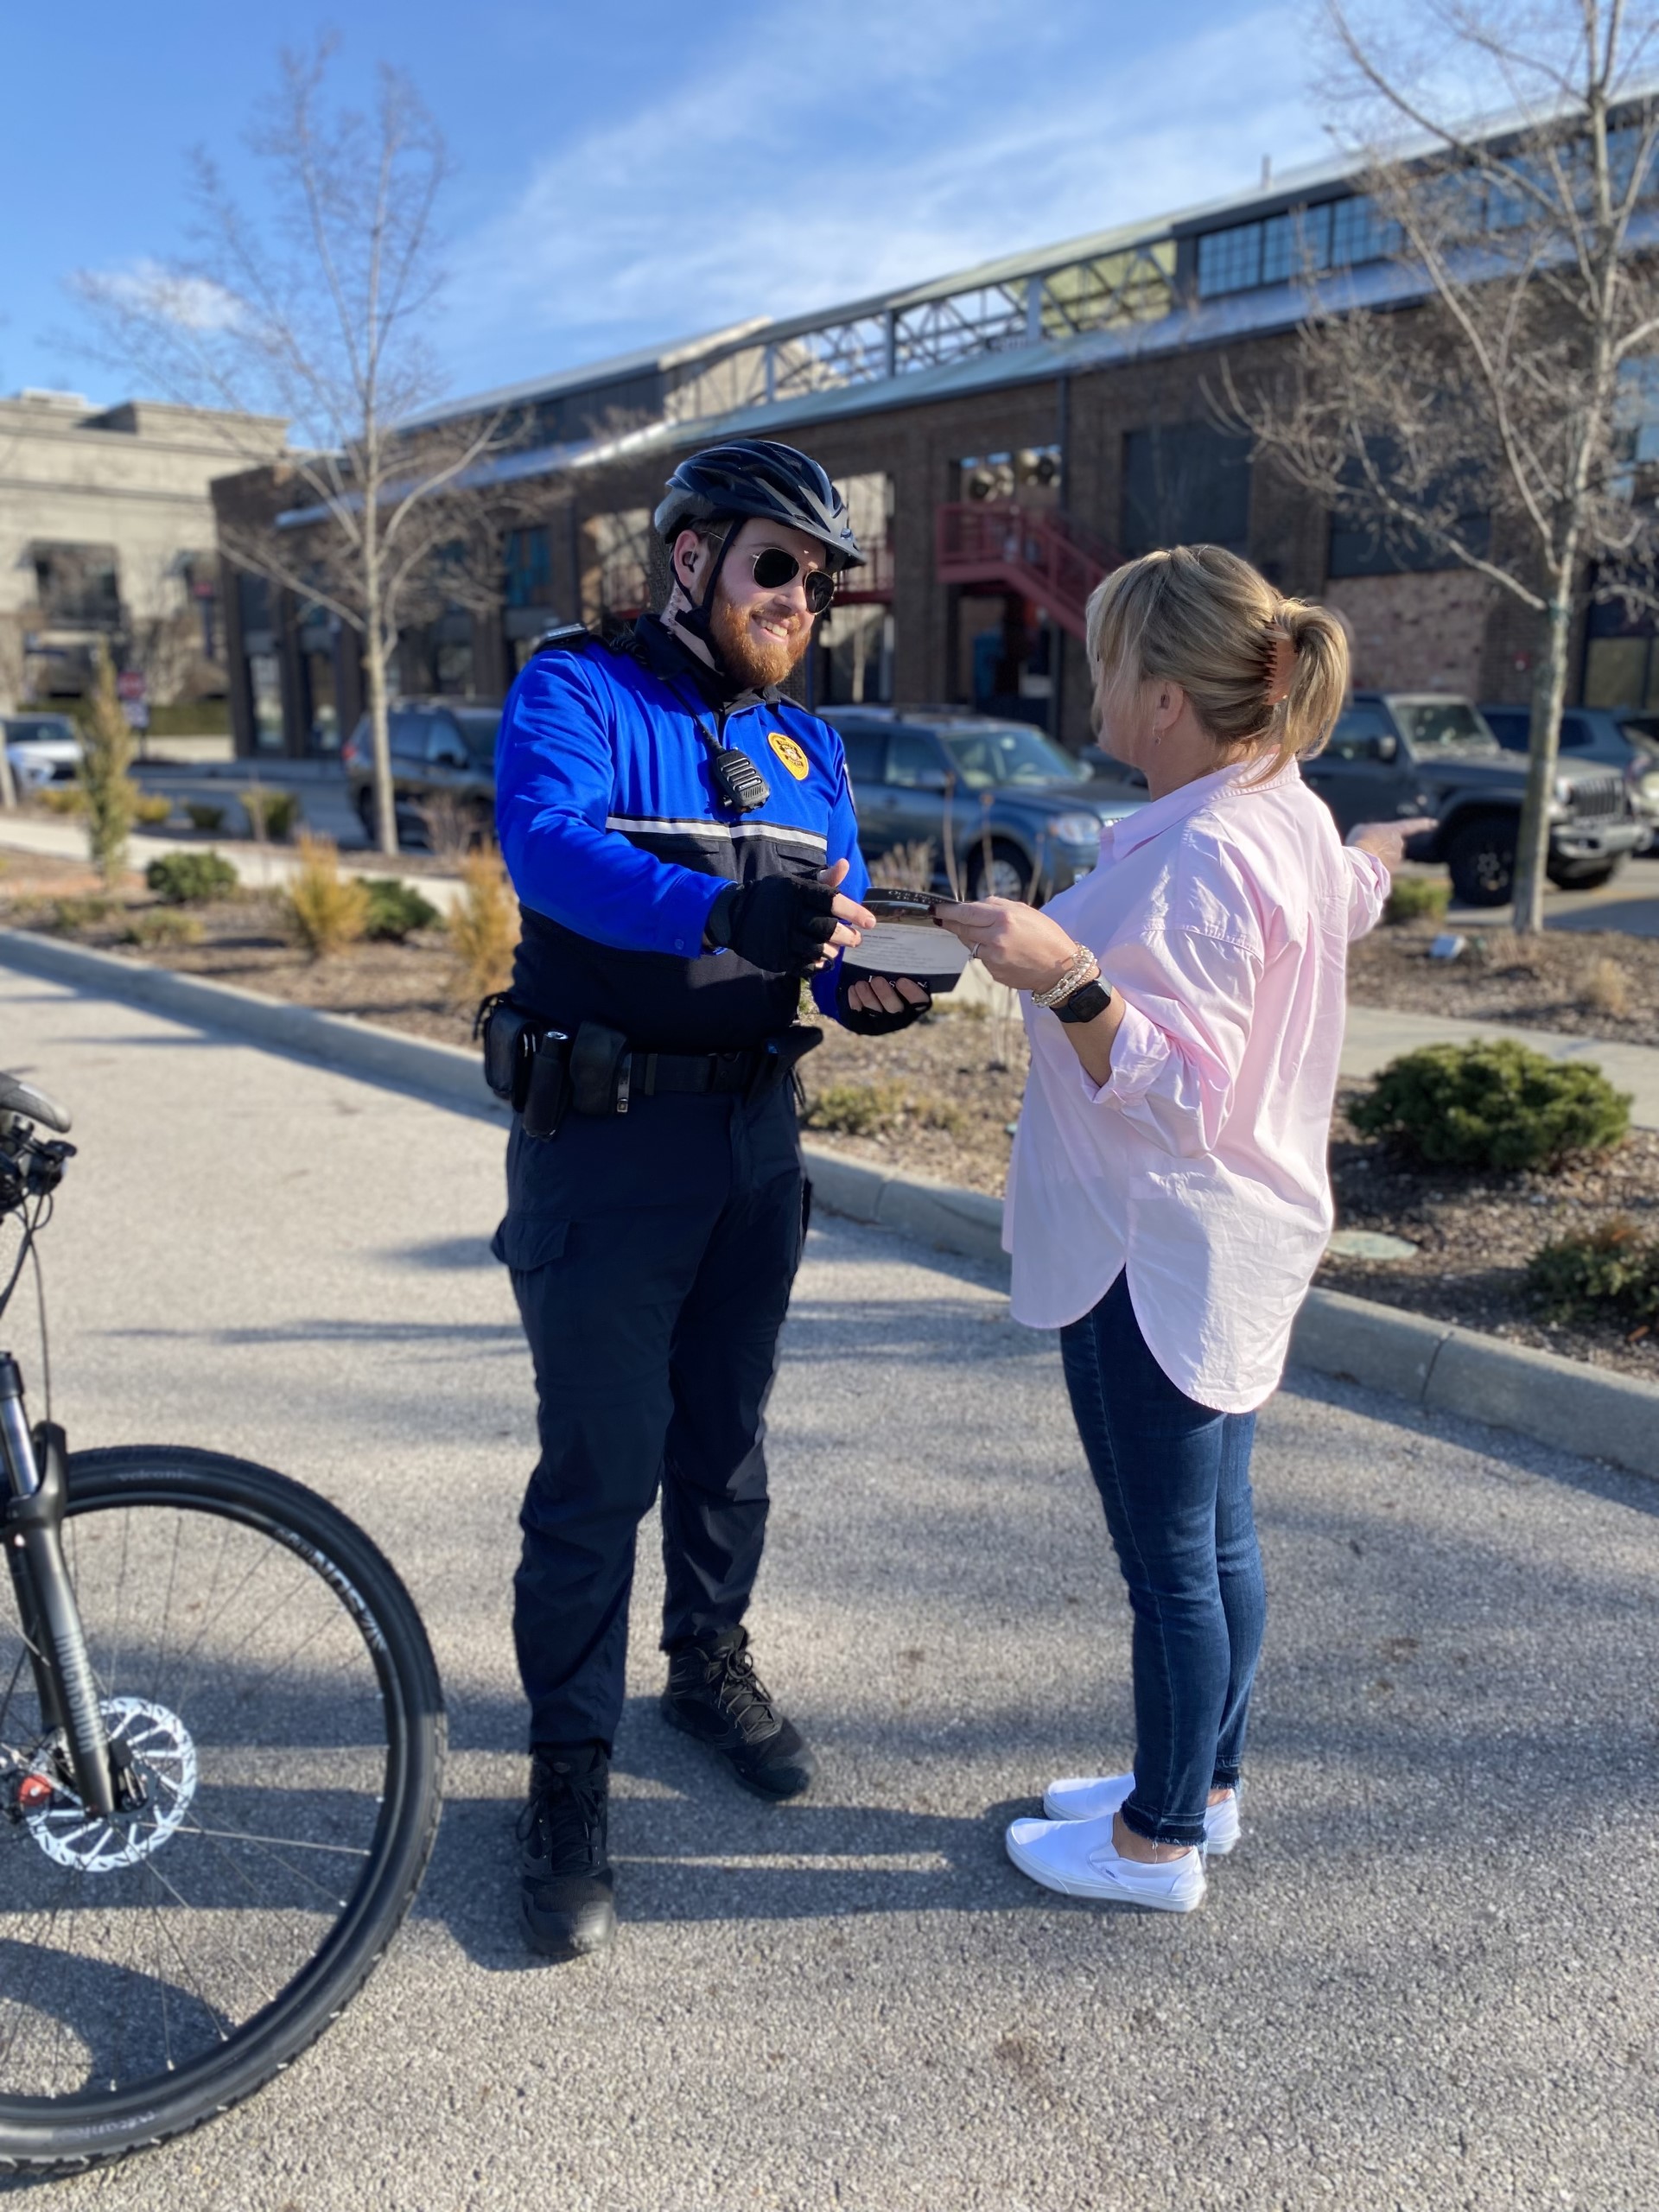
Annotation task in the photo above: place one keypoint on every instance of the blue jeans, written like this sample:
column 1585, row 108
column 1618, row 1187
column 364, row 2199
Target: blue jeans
column 1174, row 1477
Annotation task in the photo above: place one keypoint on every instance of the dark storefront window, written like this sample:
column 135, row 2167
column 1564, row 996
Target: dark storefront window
column 78, row 587
column 1186, row 484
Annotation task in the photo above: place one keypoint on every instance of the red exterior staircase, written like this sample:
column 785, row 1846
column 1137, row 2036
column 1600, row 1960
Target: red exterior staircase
column 1035, row 550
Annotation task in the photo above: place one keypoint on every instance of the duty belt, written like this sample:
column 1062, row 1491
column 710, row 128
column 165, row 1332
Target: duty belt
column 544, row 1071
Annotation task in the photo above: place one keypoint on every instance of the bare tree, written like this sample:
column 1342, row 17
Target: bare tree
column 1479, row 408
column 319, row 316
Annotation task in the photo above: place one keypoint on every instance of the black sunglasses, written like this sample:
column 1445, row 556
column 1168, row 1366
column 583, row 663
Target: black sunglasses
column 771, row 568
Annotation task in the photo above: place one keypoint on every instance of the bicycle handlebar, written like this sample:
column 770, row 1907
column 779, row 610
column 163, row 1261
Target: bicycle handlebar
column 22, row 1100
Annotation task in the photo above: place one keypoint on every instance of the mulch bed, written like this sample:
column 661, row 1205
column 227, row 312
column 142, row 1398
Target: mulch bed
column 1474, row 1233
column 1588, row 983
column 942, row 1097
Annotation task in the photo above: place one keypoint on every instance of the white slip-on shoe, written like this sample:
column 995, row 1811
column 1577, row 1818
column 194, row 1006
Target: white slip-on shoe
column 1085, row 1797
column 1079, row 1859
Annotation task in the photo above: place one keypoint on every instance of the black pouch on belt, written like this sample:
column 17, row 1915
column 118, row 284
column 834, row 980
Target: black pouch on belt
column 547, row 1087
column 509, row 1037
column 597, row 1057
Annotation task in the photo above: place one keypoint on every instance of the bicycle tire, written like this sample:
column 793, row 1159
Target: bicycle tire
column 92, row 2125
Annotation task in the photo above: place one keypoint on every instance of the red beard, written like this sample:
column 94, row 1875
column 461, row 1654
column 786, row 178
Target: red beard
column 746, row 660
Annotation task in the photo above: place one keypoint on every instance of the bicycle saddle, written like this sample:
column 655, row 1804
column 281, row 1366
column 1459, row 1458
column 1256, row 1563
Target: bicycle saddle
column 22, row 1099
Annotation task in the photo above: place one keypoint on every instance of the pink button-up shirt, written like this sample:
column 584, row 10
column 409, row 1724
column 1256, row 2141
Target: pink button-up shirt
column 1221, row 913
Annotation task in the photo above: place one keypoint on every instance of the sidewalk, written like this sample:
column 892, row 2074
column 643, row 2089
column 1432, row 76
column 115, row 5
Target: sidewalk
column 260, row 868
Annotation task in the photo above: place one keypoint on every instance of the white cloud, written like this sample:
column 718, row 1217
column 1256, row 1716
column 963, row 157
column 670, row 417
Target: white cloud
column 784, row 176
column 192, row 304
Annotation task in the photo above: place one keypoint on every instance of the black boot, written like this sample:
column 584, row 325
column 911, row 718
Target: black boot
column 715, row 1694
column 565, row 1883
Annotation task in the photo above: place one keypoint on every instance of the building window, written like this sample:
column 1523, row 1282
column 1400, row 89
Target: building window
column 1186, row 484
column 1358, row 234
column 615, row 567
column 855, row 649
column 253, row 606
column 529, row 565
column 1334, row 234
column 1366, row 544
column 1230, row 261
column 198, row 573
column 265, row 699
column 1032, row 475
column 78, row 587
column 1293, row 245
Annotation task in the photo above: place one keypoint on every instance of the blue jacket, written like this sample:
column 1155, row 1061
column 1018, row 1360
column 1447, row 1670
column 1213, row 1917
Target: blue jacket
column 618, row 843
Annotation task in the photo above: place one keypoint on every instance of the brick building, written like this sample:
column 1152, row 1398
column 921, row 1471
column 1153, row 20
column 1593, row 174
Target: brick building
column 1003, row 434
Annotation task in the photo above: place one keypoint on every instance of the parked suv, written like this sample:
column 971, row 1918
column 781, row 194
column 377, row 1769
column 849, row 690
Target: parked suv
column 1396, row 754
column 1022, row 816
column 1619, row 737
column 442, row 754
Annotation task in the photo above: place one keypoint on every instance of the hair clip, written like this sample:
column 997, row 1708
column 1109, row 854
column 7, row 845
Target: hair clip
column 1281, row 662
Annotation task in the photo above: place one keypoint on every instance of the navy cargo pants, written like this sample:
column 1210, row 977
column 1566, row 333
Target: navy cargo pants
column 652, row 1255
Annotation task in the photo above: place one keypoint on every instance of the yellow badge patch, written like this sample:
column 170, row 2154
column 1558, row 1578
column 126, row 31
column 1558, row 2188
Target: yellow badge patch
column 790, row 754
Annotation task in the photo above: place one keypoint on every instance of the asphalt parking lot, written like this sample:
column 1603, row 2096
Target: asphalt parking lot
column 1426, row 1979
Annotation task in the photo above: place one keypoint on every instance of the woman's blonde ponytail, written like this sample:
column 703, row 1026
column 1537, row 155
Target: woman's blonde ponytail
column 1260, row 670
column 1319, row 676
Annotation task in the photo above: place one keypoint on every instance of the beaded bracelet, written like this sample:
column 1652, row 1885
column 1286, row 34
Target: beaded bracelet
column 1083, row 967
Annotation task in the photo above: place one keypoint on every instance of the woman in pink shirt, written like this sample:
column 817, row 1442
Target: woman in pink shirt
column 1169, row 1200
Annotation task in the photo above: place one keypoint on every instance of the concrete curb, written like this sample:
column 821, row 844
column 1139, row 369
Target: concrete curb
column 1433, row 1364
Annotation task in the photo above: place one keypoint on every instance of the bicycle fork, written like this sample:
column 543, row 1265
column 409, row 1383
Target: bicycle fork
column 36, row 1490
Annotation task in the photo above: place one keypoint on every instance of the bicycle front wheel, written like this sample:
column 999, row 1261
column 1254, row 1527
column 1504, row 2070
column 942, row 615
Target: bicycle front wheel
column 265, row 1673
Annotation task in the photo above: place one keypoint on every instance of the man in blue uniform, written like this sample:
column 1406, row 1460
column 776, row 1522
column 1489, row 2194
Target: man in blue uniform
column 682, row 843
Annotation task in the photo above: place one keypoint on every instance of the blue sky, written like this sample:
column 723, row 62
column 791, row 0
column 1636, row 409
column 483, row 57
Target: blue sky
column 641, row 171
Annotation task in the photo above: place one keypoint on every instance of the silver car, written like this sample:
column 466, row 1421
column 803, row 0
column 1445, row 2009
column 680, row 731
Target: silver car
column 42, row 749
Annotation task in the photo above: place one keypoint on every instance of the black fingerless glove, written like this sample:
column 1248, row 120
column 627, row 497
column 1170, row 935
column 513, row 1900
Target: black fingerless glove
column 875, row 1021
column 779, row 925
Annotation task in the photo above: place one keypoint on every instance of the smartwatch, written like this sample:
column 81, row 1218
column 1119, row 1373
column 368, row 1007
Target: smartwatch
column 1083, row 1004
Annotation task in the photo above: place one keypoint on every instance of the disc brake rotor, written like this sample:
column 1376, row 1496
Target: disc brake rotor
column 164, row 1758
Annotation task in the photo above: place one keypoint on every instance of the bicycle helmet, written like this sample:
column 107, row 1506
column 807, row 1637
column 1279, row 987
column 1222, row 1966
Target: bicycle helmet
column 757, row 476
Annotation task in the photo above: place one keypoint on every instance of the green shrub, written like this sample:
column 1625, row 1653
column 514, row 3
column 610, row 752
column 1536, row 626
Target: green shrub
column 72, row 914
column 1494, row 1105
column 271, row 815
column 200, row 816
column 1612, row 1271
column 1417, row 899
column 397, row 910
column 61, row 798
column 151, row 809
column 163, row 926
column 191, row 879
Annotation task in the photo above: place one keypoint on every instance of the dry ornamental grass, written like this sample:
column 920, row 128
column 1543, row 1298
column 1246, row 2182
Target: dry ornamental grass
column 484, row 928
column 324, row 909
